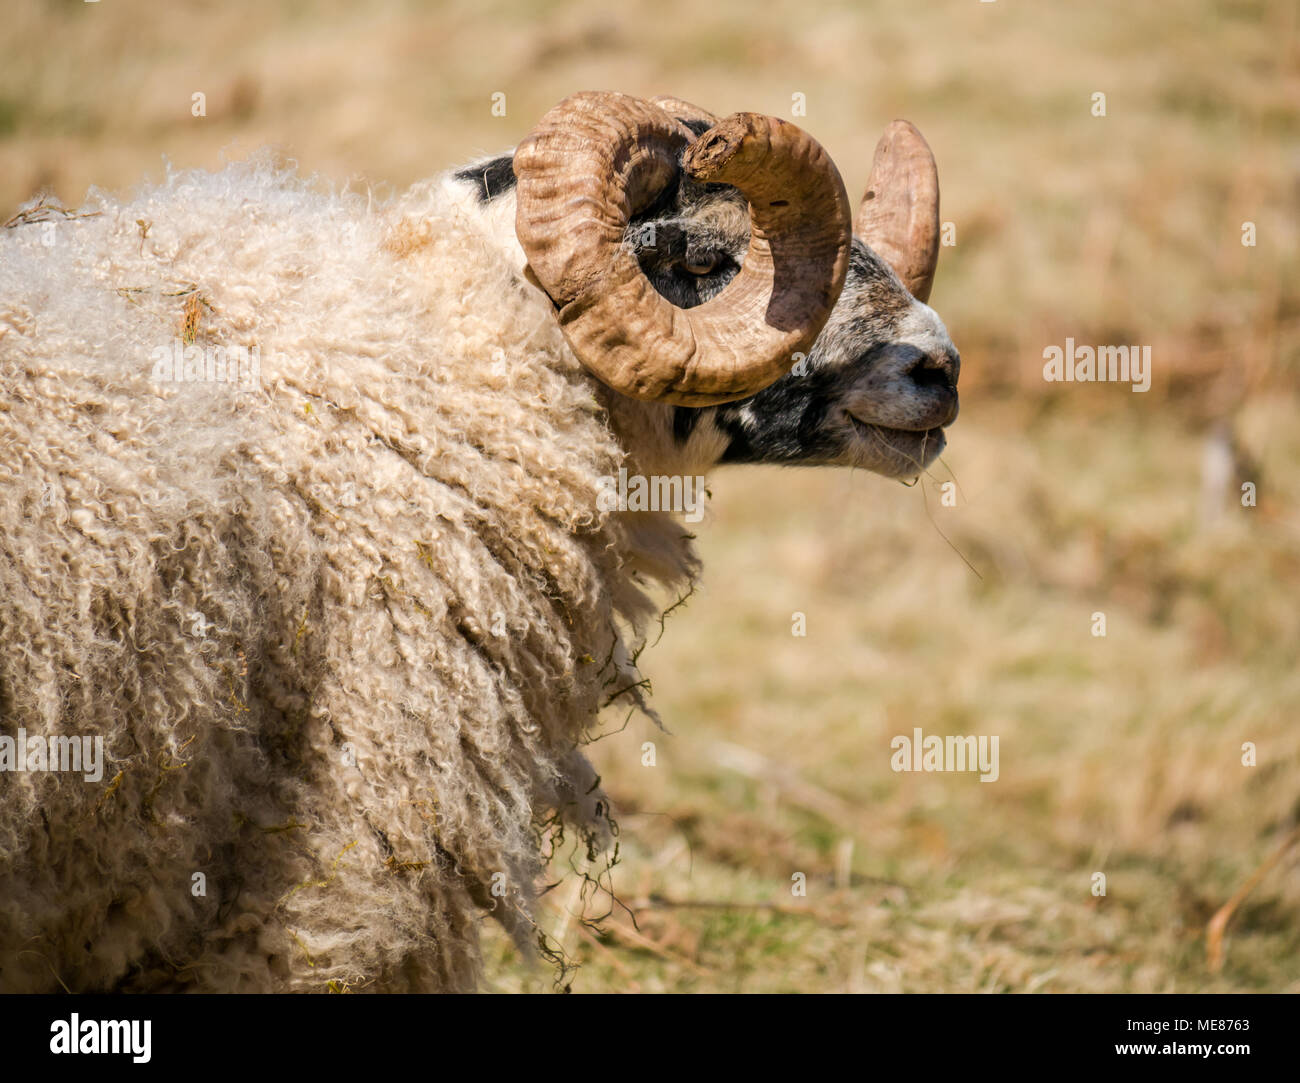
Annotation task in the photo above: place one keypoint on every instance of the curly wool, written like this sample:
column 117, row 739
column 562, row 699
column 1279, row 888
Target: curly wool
column 343, row 631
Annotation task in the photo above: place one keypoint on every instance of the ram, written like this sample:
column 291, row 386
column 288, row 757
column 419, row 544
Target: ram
column 303, row 519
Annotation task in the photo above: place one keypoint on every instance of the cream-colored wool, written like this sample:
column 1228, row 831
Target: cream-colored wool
column 343, row 631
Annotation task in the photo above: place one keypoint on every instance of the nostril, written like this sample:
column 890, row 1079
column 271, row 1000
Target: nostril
column 929, row 372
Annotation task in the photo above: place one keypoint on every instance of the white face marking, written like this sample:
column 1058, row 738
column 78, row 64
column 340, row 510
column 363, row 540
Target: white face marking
column 706, row 444
column 922, row 328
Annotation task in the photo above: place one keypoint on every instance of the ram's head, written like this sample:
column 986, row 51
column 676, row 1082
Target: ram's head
column 711, row 265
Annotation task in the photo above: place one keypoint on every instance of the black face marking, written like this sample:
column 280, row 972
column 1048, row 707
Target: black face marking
column 783, row 423
column 493, row 178
column 684, row 421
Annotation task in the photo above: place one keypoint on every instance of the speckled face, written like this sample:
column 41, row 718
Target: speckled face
column 878, row 387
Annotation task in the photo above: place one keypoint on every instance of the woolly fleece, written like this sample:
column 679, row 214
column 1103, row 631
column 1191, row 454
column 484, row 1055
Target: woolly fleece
column 343, row 629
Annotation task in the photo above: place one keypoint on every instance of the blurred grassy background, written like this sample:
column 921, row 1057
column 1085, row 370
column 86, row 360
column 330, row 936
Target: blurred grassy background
column 1120, row 754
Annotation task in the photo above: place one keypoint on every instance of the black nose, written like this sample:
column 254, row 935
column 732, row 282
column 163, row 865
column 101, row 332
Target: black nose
column 938, row 377
column 937, row 372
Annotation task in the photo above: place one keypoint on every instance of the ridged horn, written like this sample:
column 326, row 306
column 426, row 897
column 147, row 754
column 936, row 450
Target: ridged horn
column 595, row 160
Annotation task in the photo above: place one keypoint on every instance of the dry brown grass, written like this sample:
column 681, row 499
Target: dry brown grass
column 1119, row 754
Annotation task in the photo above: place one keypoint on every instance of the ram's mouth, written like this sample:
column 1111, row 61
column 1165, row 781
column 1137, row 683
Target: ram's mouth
column 898, row 452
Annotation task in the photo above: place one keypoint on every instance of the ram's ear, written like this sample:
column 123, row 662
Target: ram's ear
column 899, row 213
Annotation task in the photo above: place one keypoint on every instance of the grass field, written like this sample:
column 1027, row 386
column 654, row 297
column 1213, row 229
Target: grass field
column 1119, row 754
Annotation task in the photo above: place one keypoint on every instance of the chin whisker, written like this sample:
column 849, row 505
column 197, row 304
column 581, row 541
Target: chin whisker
column 918, row 463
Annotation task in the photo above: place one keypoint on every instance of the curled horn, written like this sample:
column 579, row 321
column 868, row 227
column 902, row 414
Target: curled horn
column 899, row 213
column 595, row 160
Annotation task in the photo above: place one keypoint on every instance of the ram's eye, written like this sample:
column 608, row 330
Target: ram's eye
column 701, row 264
